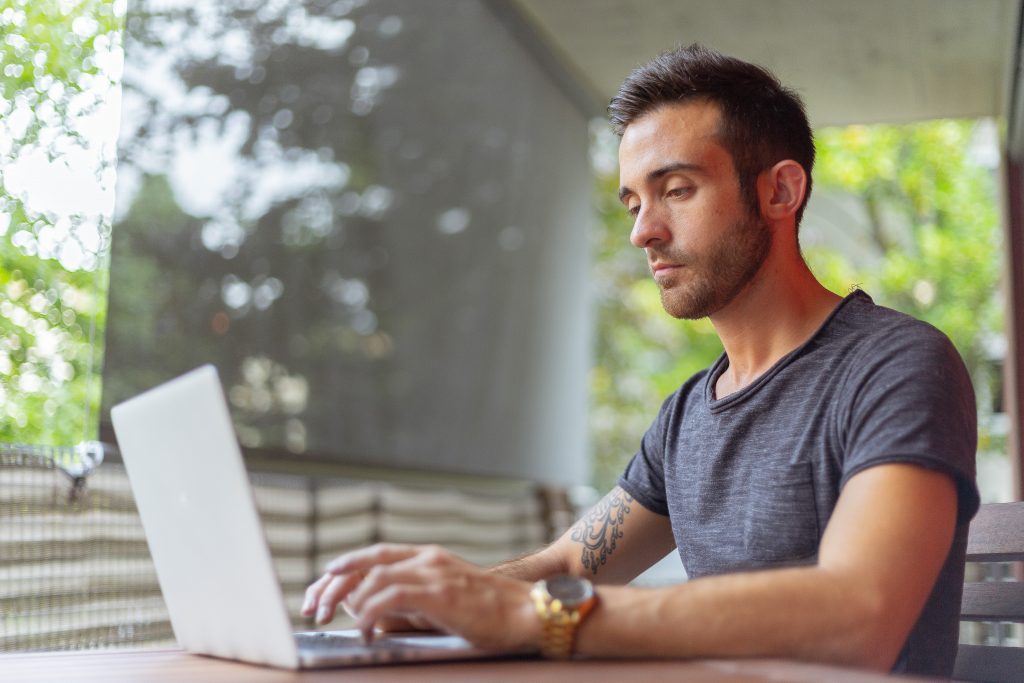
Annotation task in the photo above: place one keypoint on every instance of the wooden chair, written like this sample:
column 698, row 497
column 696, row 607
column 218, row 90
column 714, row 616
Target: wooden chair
column 996, row 535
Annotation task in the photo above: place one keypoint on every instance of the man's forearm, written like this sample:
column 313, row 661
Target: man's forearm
column 534, row 566
column 804, row 613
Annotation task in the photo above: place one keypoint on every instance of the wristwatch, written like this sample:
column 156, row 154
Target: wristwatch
column 562, row 603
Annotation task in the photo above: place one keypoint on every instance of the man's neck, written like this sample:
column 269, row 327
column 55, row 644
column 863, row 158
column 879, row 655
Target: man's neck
column 777, row 312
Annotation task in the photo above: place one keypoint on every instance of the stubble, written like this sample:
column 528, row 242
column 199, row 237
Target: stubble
column 708, row 282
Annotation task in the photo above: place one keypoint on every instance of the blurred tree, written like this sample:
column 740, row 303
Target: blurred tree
column 57, row 65
column 929, row 246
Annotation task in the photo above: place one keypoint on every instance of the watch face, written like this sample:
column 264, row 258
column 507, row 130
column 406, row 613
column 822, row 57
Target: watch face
column 570, row 590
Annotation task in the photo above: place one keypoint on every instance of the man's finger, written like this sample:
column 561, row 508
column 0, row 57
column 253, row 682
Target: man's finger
column 337, row 589
column 366, row 558
column 399, row 600
column 396, row 624
column 421, row 622
column 313, row 594
column 410, row 572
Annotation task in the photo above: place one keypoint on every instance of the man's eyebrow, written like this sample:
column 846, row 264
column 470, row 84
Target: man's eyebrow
column 660, row 173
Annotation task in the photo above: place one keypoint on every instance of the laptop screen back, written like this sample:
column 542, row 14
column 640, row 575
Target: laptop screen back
column 200, row 519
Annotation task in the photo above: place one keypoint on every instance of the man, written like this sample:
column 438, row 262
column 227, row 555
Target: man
column 817, row 480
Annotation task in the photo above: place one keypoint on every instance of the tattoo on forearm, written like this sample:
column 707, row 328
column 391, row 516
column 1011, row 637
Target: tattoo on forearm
column 600, row 530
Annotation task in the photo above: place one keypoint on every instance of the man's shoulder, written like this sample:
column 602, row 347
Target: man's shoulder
column 873, row 356
column 873, row 331
column 861, row 311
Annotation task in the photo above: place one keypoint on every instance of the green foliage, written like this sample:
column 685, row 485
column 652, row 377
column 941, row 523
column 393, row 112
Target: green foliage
column 52, row 280
column 931, row 248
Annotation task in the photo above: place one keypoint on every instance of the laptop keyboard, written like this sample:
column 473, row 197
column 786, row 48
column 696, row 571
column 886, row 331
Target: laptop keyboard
column 324, row 641
column 333, row 641
column 346, row 648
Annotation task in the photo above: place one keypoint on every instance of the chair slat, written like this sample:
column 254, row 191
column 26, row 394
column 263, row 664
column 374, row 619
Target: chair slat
column 989, row 663
column 997, row 533
column 993, row 601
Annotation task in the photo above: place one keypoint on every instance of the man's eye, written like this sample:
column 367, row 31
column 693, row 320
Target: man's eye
column 633, row 210
column 679, row 191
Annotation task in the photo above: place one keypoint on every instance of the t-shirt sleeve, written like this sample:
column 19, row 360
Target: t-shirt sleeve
column 644, row 477
column 911, row 401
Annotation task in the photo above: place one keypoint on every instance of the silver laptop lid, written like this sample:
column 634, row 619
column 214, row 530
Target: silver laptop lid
column 200, row 519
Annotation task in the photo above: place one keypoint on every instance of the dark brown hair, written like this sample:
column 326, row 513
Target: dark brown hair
column 763, row 122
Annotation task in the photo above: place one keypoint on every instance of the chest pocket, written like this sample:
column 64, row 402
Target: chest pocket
column 781, row 520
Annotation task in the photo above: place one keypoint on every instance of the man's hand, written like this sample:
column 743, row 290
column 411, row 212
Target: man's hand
column 430, row 587
column 321, row 604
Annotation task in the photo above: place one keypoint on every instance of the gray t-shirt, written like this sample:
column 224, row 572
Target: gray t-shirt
column 750, row 481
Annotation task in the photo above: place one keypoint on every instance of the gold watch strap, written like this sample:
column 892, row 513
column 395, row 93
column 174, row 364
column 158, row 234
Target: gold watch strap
column 558, row 624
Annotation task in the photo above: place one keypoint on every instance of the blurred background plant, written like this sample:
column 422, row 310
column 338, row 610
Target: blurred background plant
column 59, row 67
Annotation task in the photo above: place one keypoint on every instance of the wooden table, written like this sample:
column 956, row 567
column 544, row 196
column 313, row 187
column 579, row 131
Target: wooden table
column 166, row 666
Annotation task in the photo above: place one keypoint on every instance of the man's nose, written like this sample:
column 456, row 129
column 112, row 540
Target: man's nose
column 649, row 227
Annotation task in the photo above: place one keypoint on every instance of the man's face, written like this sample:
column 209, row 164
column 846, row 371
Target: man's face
column 679, row 183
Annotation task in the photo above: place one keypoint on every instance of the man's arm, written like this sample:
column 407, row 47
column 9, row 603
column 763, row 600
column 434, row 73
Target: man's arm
column 880, row 556
column 878, row 561
column 616, row 540
column 613, row 543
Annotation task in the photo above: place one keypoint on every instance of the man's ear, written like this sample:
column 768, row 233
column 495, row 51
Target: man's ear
column 781, row 189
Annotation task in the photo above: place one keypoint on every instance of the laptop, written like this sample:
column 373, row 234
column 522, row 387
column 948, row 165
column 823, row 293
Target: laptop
column 211, row 555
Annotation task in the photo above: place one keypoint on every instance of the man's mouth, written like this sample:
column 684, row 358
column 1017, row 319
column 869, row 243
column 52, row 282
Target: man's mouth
column 662, row 270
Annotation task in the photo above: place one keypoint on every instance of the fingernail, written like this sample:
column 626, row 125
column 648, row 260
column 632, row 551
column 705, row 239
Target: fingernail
column 321, row 615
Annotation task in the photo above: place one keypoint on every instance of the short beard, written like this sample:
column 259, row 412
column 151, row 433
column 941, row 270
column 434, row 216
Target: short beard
column 720, row 275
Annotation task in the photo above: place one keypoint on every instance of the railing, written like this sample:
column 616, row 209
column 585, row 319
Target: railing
column 75, row 570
